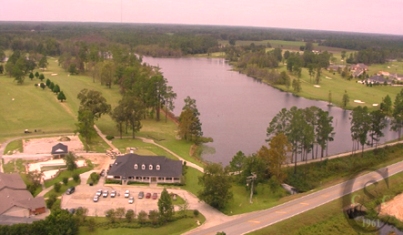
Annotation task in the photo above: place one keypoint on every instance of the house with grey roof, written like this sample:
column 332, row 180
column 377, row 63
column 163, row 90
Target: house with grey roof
column 148, row 169
column 60, row 150
column 379, row 80
column 16, row 200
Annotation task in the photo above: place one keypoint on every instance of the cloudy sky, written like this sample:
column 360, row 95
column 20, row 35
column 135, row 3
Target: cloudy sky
column 372, row 16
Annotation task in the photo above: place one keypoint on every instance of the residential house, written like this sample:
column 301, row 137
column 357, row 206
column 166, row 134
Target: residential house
column 149, row 169
column 378, row 80
column 358, row 69
column 16, row 200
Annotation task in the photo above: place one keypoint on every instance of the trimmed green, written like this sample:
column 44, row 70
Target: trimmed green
column 66, row 173
column 14, row 145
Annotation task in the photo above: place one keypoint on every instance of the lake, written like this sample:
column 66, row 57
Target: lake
column 235, row 110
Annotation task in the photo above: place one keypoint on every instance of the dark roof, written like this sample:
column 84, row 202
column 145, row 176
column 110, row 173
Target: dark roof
column 13, row 192
column 377, row 79
column 60, row 149
column 125, row 166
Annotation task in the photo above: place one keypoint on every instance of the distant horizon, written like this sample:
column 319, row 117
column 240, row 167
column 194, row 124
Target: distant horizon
column 203, row 25
column 358, row 16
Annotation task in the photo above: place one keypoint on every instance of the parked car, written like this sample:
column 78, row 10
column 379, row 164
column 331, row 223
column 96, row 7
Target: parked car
column 155, row 196
column 141, row 195
column 113, row 193
column 148, row 195
column 99, row 192
column 131, row 200
column 70, row 190
column 127, row 193
column 96, row 198
column 105, row 193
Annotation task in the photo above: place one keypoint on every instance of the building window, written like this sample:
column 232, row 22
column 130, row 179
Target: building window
column 143, row 167
column 158, row 167
column 136, row 166
column 150, row 167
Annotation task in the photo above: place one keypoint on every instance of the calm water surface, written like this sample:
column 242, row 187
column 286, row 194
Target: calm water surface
column 235, row 110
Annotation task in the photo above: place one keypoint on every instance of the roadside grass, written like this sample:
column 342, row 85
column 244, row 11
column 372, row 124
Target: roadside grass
column 15, row 166
column 329, row 218
column 63, row 188
column 66, row 173
column 317, row 175
column 179, row 226
column 263, row 198
column 14, row 145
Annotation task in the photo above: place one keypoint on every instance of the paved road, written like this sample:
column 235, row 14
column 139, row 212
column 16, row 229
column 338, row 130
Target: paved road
column 260, row 219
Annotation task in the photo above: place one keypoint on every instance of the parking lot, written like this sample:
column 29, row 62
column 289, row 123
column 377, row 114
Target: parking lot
column 84, row 194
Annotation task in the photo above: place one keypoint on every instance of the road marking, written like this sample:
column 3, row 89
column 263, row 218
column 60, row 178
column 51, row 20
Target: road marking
column 304, row 203
column 254, row 221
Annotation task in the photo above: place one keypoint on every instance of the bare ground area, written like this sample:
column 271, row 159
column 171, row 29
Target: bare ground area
column 394, row 207
column 44, row 145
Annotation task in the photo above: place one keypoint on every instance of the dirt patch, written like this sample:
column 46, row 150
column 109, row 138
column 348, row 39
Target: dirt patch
column 393, row 207
column 44, row 145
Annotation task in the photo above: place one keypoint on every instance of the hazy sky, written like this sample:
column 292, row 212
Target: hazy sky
column 374, row 16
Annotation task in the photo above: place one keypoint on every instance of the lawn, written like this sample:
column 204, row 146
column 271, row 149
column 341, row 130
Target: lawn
column 63, row 188
column 12, row 146
column 176, row 227
column 15, row 166
column 66, row 173
column 338, row 85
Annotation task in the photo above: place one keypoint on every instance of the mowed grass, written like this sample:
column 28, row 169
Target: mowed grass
column 15, row 145
column 179, row 226
column 337, row 85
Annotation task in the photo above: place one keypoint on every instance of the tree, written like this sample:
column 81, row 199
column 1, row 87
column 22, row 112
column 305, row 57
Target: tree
column 119, row 116
column 56, row 89
column 31, row 75
column 70, row 160
column 360, row 125
column 378, row 123
column 129, row 215
column 94, row 102
column 279, row 149
column 60, row 96
column 345, row 99
column 1, row 69
column 43, row 63
column 42, row 85
column 296, row 85
column 216, row 185
column 36, row 74
column 237, row 162
column 85, row 126
column 165, row 206
column 41, row 77
column 324, row 130
column 397, row 121
column 51, row 200
column 318, row 74
column 133, row 110
column 34, row 179
column 57, row 187
column 189, row 122
column 386, row 106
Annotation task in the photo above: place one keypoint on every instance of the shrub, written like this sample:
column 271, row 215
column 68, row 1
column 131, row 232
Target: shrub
column 76, row 177
column 129, row 215
column 51, row 200
column 65, row 180
column 57, row 187
column 142, row 217
column 110, row 137
column 196, row 213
